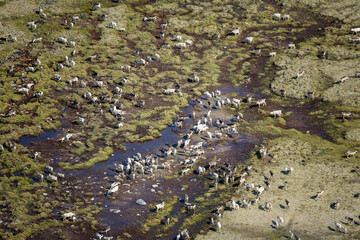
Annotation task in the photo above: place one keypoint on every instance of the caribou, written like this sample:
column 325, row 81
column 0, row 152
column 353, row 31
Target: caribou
column 234, row 205
column 69, row 215
column 291, row 45
column 276, row 16
column 32, row 25
column 355, row 30
column 177, row 38
column 343, row 79
column 300, row 74
column 163, row 26
column 126, row 68
column 277, row 113
column 286, row 17
column 189, row 42
column 169, row 91
column 280, row 219
column 350, row 153
column 96, row 6
column 62, row 40
column 113, row 188
column 149, row 19
column 318, row 194
column 218, row 226
column 180, row 45
column 261, row 102
column 236, row 31
column 24, row 91
column 272, row 54
column 112, row 25
column 160, row 206
column 346, row 115
column 248, row 39
column 267, row 206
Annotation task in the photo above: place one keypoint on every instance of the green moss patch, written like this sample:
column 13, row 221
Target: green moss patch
column 101, row 156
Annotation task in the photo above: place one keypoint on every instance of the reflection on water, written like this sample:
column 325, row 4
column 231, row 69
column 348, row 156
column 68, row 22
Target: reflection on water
column 26, row 140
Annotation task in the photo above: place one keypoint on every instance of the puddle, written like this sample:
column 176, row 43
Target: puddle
column 27, row 140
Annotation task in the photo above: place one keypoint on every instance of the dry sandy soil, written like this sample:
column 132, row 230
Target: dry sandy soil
column 306, row 217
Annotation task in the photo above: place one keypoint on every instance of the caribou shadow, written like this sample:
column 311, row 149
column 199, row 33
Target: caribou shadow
column 331, row 229
column 313, row 197
column 212, row 229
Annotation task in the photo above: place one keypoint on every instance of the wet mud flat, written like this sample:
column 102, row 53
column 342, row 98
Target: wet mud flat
column 93, row 182
column 131, row 216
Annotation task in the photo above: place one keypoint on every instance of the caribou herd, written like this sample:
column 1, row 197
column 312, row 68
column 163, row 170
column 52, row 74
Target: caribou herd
column 186, row 151
column 189, row 151
column 191, row 148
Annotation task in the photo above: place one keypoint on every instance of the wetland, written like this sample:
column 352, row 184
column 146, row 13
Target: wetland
column 108, row 104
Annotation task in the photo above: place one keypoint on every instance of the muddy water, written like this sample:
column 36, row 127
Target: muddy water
column 132, row 215
column 170, row 135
